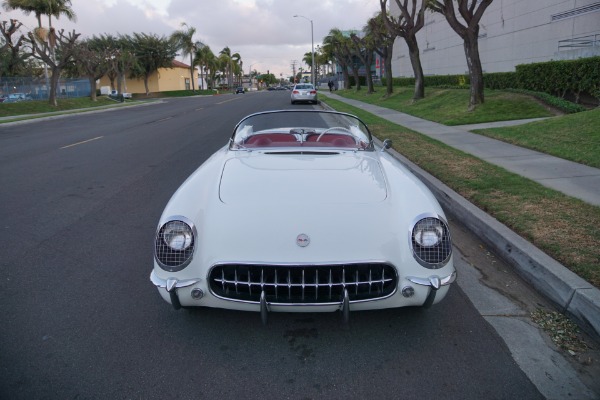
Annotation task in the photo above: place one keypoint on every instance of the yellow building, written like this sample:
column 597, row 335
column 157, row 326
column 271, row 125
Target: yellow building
column 164, row 80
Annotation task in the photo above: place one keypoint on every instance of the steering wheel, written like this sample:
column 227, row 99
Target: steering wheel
column 333, row 128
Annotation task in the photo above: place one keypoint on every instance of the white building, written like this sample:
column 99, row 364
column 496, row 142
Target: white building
column 512, row 32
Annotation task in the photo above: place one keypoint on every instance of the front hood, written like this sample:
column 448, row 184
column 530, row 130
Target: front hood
column 343, row 178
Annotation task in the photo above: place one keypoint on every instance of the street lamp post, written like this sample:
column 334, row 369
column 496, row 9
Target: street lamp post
column 250, row 75
column 312, row 45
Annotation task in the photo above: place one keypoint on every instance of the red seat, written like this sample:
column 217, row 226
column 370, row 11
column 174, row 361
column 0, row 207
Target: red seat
column 335, row 140
column 270, row 140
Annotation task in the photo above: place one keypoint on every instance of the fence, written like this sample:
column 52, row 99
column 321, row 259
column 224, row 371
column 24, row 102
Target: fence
column 37, row 88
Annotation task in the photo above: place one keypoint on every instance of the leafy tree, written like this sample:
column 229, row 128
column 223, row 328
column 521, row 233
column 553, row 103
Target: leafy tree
column 409, row 22
column 93, row 61
column 467, row 28
column 268, row 78
column 120, row 58
column 65, row 46
column 152, row 52
column 187, row 46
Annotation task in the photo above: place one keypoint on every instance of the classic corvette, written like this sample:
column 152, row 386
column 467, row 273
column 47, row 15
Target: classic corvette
column 300, row 212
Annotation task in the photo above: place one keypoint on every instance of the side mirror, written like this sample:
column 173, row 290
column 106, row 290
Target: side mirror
column 387, row 143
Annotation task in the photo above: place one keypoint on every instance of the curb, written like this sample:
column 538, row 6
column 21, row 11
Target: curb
column 571, row 293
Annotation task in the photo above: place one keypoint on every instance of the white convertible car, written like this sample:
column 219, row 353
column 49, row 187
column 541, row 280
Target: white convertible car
column 301, row 213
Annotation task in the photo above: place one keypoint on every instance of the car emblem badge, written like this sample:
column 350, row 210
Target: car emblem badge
column 302, row 240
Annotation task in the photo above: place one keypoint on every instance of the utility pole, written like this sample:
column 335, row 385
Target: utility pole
column 294, row 62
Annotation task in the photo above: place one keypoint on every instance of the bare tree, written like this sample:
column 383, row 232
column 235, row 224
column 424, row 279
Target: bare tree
column 471, row 12
column 43, row 50
column 15, row 58
column 409, row 22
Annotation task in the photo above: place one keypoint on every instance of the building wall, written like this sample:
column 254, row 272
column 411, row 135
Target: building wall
column 164, row 80
column 512, row 32
column 174, row 79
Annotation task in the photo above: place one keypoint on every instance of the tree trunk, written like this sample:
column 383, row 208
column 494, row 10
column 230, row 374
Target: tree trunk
column 192, row 71
column 387, row 61
column 475, row 70
column 53, row 86
column 356, row 77
column 120, row 79
column 201, row 77
column 369, row 76
column 415, row 61
column 146, row 84
column 92, row 87
column 345, row 75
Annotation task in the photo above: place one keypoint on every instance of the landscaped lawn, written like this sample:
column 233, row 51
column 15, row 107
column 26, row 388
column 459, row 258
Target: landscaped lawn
column 574, row 137
column 450, row 106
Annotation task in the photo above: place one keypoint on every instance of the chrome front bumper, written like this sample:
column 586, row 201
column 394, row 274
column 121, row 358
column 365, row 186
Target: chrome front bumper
column 172, row 284
column 434, row 283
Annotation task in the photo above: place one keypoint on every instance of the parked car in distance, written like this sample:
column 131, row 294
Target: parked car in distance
column 16, row 97
column 239, row 89
column 300, row 212
column 304, row 92
column 115, row 94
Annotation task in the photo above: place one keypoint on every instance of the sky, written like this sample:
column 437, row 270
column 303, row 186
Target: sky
column 264, row 32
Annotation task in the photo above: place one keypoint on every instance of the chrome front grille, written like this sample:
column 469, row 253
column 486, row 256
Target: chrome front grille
column 303, row 284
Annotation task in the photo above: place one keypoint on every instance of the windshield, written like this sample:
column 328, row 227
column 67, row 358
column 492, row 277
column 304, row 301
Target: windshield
column 308, row 129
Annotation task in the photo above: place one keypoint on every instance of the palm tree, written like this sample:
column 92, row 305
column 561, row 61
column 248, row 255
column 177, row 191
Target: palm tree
column 338, row 46
column 51, row 8
column 384, row 46
column 205, row 58
column 229, row 60
column 186, row 44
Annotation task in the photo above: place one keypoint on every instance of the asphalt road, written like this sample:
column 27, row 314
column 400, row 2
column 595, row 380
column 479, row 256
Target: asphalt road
column 80, row 198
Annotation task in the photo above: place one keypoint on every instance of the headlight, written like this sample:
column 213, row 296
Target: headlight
column 174, row 244
column 430, row 241
column 177, row 235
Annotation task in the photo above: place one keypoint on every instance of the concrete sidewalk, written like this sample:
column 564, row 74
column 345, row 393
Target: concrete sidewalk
column 568, row 291
column 572, row 179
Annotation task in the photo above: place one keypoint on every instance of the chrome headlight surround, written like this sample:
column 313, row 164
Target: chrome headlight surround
column 429, row 240
column 174, row 243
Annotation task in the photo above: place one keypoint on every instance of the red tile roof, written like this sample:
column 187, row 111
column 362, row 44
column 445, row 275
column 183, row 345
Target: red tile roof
column 178, row 64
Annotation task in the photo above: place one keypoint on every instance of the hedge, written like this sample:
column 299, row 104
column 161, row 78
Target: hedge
column 556, row 78
column 562, row 77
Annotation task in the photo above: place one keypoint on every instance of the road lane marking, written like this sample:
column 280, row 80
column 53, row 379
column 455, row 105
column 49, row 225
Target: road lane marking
column 78, row 143
column 236, row 98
